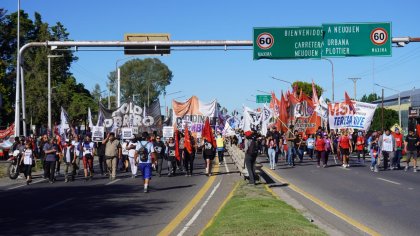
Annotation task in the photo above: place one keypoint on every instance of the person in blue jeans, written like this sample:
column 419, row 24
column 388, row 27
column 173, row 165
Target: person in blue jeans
column 272, row 146
column 291, row 151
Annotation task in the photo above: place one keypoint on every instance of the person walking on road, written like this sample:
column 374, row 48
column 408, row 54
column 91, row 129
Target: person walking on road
column 100, row 149
column 374, row 151
column 291, row 151
column 251, row 154
column 399, row 141
column 387, row 145
column 209, row 152
column 310, row 144
column 144, row 152
column 300, row 146
column 411, row 145
column 272, row 152
column 69, row 159
column 171, row 156
column 360, row 148
column 320, row 150
column 50, row 151
column 88, row 152
column 189, row 154
column 124, row 159
column 220, row 143
column 132, row 157
column 29, row 161
column 345, row 146
column 160, row 147
column 328, row 148
column 112, row 154
column 78, row 151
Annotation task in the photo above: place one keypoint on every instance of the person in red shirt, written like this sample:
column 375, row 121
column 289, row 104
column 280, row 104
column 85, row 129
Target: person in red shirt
column 360, row 148
column 395, row 162
column 320, row 150
column 345, row 148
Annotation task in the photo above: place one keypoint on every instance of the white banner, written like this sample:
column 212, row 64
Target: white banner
column 126, row 133
column 340, row 116
column 252, row 120
column 98, row 133
column 267, row 114
column 168, row 131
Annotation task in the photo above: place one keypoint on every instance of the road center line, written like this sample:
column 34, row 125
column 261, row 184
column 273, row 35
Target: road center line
column 389, row 181
column 188, row 208
column 57, row 204
column 199, row 210
column 114, row 181
column 23, row 185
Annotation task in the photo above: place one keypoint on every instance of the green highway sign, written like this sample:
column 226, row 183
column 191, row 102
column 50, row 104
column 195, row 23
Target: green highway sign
column 357, row 39
column 287, row 43
column 263, row 98
column 329, row 40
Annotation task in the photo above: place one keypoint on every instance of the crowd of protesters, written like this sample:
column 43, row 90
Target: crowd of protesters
column 385, row 149
column 140, row 155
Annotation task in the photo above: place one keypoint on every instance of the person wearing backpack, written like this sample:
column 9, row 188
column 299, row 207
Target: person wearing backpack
column 144, row 150
column 251, row 154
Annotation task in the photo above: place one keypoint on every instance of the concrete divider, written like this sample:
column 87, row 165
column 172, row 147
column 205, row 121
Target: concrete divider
column 238, row 157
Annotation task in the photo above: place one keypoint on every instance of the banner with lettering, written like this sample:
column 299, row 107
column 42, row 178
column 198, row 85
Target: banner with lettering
column 341, row 117
column 193, row 113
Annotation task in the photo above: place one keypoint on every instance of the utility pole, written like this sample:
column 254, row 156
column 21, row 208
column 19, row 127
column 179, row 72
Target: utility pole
column 354, row 82
column 382, row 114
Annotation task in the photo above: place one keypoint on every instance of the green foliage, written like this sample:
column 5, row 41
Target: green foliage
column 307, row 88
column 142, row 78
column 370, row 98
column 64, row 85
column 390, row 118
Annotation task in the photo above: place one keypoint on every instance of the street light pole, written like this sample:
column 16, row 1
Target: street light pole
column 17, row 97
column 281, row 80
column 332, row 73
column 354, row 82
column 49, row 89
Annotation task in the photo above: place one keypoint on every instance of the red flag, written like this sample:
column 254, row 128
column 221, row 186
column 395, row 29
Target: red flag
column 187, row 140
column 208, row 133
column 177, row 156
column 315, row 99
column 349, row 102
column 284, row 116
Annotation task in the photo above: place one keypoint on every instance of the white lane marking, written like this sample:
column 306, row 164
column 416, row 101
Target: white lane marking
column 227, row 169
column 410, row 188
column 57, row 204
column 389, row 181
column 114, row 181
column 195, row 216
column 20, row 186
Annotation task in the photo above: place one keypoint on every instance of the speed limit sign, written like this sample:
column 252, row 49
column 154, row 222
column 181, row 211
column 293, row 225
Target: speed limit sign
column 265, row 40
column 379, row 36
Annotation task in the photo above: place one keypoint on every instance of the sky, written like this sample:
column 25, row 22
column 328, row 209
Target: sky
column 232, row 76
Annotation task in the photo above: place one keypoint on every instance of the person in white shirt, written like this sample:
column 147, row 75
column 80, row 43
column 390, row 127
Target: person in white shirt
column 88, row 152
column 132, row 156
column 28, row 160
column 387, row 146
column 125, row 161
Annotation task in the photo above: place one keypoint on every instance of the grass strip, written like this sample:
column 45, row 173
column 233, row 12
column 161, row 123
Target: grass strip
column 254, row 211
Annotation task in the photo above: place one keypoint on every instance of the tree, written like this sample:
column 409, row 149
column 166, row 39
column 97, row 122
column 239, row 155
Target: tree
column 146, row 78
column 370, row 98
column 307, row 88
column 390, row 118
column 63, row 84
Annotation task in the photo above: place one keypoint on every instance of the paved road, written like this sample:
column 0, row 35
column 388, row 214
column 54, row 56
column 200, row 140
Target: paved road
column 387, row 202
column 98, row 207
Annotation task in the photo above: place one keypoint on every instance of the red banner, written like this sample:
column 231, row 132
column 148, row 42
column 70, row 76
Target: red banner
column 7, row 132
